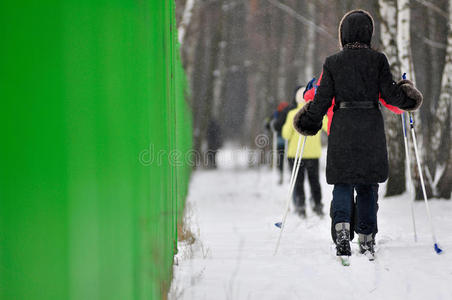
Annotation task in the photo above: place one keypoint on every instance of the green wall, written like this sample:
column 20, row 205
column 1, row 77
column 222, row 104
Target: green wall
column 92, row 104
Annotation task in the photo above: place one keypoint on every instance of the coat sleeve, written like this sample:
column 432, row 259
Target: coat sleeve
column 310, row 120
column 392, row 108
column 323, row 97
column 390, row 91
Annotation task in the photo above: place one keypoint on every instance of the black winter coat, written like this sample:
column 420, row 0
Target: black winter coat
column 356, row 145
column 357, row 150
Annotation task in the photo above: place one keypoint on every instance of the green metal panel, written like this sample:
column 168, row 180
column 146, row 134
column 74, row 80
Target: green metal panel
column 86, row 88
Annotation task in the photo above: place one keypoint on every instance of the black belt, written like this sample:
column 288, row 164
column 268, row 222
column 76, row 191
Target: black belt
column 358, row 104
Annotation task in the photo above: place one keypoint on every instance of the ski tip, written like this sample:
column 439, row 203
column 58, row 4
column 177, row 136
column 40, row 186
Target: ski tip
column 438, row 250
column 279, row 224
column 345, row 260
column 369, row 255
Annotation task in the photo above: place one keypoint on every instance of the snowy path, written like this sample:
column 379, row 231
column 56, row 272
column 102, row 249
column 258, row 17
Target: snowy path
column 232, row 212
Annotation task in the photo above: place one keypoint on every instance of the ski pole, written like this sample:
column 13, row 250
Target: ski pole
column 296, row 167
column 438, row 250
column 408, row 166
column 285, row 164
column 410, row 182
column 293, row 169
column 413, row 135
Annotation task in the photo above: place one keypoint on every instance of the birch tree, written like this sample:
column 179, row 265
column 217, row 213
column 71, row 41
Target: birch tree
column 404, row 39
column 254, row 76
column 310, row 45
column 186, row 18
column 406, row 65
column 388, row 27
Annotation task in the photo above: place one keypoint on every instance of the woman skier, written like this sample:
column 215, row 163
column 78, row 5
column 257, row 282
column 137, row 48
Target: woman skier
column 357, row 156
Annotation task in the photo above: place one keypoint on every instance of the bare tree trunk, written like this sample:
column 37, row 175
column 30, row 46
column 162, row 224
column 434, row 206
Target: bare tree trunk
column 404, row 38
column 394, row 134
column 310, row 45
column 235, row 86
column 220, row 72
column 186, row 18
column 207, row 63
column 275, row 58
column 445, row 182
column 406, row 63
column 284, row 46
column 255, row 82
column 199, row 76
column 442, row 133
column 431, row 81
column 293, row 65
column 192, row 44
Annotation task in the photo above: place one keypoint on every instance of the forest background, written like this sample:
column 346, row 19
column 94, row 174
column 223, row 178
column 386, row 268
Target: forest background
column 243, row 57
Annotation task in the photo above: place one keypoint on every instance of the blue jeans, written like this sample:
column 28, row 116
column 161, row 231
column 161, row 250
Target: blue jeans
column 366, row 205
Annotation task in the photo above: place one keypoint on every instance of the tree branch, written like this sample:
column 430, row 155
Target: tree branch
column 304, row 20
column 433, row 7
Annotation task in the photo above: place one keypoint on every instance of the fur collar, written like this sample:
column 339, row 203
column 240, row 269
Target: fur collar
column 356, row 45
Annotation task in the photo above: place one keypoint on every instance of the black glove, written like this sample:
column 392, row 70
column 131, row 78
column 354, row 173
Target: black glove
column 303, row 124
column 412, row 93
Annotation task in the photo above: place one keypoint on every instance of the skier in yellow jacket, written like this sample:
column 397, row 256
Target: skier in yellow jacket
column 310, row 161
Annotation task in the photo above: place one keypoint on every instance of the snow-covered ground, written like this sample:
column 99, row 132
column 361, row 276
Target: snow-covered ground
column 232, row 212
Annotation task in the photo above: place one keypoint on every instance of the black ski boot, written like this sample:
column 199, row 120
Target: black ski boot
column 367, row 245
column 301, row 211
column 318, row 209
column 343, row 239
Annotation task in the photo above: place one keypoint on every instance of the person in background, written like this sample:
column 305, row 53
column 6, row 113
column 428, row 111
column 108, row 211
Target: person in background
column 214, row 143
column 282, row 115
column 280, row 144
column 309, row 162
column 281, row 119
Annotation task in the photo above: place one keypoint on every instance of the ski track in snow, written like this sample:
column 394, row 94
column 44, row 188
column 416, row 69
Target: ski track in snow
column 232, row 214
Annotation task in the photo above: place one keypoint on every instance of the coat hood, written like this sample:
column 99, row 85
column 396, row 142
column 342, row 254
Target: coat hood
column 356, row 26
column 299, row 95
column 294, row 98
